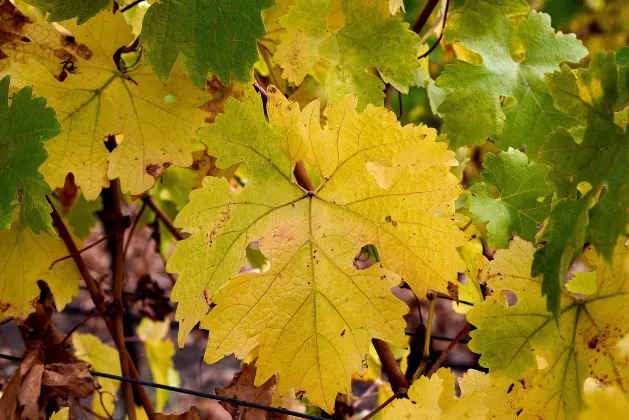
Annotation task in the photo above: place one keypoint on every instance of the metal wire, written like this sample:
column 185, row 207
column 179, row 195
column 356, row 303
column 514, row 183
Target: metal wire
column 191, row 392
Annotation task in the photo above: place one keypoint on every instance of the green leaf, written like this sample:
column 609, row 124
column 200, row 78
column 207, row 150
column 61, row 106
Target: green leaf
column 596, row 151
column 69, row 9
column 622, row 57
column 563, row 237
column 216, row 36
column 82, row 216
column 515, row 59
column 352, row 41
column 24, row 126
column 523, row 200
column 581, row 343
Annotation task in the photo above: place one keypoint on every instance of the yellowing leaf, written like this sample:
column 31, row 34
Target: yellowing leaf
column 434, row 398
column 25, row 258
column 312, row 313
column 353, row 47
column 62, row 414
column 103, row 358
column 96, row 100
column 581, row 343
column 160, row 351
column 605, row 404
column 582, row 283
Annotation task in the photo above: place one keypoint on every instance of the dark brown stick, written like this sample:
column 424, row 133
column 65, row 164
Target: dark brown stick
column 390, row 366
column 455, row 340
column 159, row 213
column 118, row 295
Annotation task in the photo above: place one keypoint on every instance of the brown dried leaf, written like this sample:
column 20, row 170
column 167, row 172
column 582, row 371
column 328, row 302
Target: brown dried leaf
column 70, row 379
column 242, row 388
column 11, row 24
column 192, row 414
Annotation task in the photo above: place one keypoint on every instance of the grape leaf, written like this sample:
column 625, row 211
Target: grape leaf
column 159, row 351
column 69, row 9
column 370, row 37
column 596, row 151
column 605, row 403
column 582, row 283
column 103, row 358
column 96, row 100
column 82, row 215
column 523, row 200
column 24, row 126
column 325, row 311
column 562, row 238
column 25, row 258
column 217, row 36
column 434, row 397
column 515, row 59
column 581, row 344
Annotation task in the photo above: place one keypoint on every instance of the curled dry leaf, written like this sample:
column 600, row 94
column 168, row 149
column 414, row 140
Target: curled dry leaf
column 242, row 388
column 192, row 414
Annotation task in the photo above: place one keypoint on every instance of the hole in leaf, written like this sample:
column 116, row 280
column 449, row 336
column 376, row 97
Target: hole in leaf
column 256, row 261
column 367, row 257
column 171, row 98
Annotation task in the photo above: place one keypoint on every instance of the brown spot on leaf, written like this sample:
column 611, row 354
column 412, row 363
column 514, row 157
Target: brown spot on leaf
column 342, row 333
column 593, row 342
column 19, row 195
column 453, row 291
column 84, row 52
column 152, row 170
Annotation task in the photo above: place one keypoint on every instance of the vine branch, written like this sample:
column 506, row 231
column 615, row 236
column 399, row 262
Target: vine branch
column 390, row 366
column 99, row 301
column 455, row 340
column 163, row 217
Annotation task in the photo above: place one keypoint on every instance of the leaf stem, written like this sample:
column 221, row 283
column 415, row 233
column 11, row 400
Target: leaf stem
column 431, row 314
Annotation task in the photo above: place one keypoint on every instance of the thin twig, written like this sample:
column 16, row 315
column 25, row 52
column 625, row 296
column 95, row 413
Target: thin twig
column 159, row 213
column 130, row 5
column 455, row 340
column 389, row 400
column 6, row 321
column 134, row 225
column 425, row 14
column 445, row 16
column 390, row 366
column 76, row 327
column 58, row 260
column 257, row 82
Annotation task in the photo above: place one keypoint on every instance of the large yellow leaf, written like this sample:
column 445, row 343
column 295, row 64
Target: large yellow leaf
column 96, row 99
column 551, row 359
column 312, row 313
column 434, row 398
column 62, row 414
column 25, row 258
column 102, row 358
column 159, row 351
